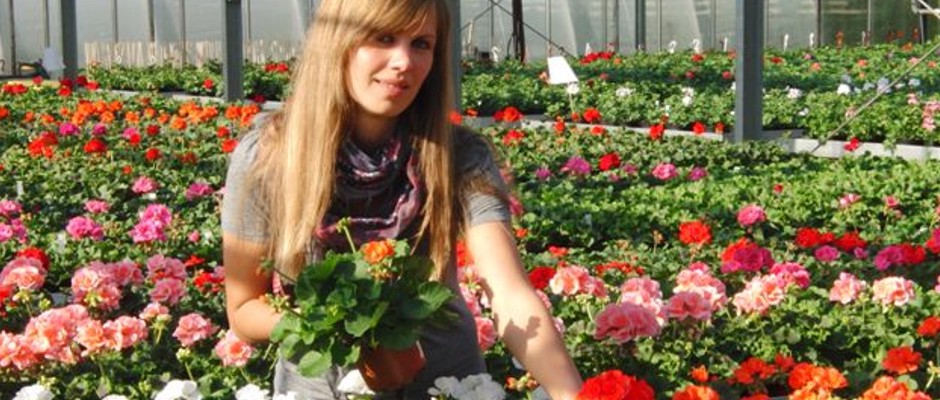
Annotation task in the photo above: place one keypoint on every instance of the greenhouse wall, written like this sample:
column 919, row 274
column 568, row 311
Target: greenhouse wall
column 111, row 31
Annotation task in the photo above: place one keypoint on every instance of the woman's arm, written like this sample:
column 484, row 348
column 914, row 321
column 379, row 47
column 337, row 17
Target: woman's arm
column 249, row 316
column 521, row 319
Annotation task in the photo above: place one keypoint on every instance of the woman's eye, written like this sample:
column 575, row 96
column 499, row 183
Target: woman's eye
column 423, row 44
column 385, row 39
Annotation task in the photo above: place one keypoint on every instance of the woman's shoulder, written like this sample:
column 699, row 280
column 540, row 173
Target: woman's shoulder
column 247, row 149
column 473, row 151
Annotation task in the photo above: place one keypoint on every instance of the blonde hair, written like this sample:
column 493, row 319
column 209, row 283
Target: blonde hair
column 295, row 167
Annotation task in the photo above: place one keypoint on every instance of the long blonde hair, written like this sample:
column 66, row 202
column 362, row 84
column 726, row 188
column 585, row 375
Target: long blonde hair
column 296, row 162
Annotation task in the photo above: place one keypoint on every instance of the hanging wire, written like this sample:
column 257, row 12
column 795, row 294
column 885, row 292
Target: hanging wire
column 882, row 90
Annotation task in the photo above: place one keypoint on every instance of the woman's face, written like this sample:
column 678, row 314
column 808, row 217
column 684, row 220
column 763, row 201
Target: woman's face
column 387, row 70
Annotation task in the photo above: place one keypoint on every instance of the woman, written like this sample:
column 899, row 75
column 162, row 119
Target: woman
column 365, row 134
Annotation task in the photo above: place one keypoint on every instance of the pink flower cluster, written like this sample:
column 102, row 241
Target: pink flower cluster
column 664, row 171
column 847, row 200
column 624, row 322
column 97, row 206
column 23, row 273
column 65, row 335
column 574, row 280
column 576, row 166
column 893, row 290
column 83, row 227
column 233, row 351
column 168, row 276
column 193, row 328
column 645, row 293
column 750, row 258
column 750, row 215
column 696, row 280
column 791, row 273
column 151, row 224
column 144, row 185
column 11, row 226
column 197, row 190
column 99, row 285
column 486, row 333
column 930, row 109
column 760, row 293
column 847, row 288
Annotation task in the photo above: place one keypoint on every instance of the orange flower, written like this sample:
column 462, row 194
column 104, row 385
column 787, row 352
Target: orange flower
column 4, row 112
column 886, row 388
column 29, row 117
column 901, row 360
column 376, row 251
column 753, row 368
column 693, row 392
column 700, row 374
column 178, row 123
column 132, row 117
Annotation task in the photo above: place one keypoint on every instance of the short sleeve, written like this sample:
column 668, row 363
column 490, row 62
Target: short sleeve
column 243, row 211
column 475, row 162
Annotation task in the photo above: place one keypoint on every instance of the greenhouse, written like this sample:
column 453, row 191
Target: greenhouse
column 487, row 199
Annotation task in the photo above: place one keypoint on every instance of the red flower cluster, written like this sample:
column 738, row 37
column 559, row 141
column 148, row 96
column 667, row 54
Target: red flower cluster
column 276, row 67
column 698, row 128
column 615, row 385
column 14, row 89
column 541, row 276
column 657, row 131
column 4, row 113
column 809, row 238
column 929, row 327
column 513, row 137
column 228, row 145
column 695, row 233
column 852, row 144
column 693, row 392
column 508, row 114
column 591, row 116
column 595, row 56
column 850, row 241
column 752, row 370
column 901, row 360
column 625, row 268
column 43, row 145
column 808, row 377
column 95, row 146
column 152, row 154
column 887, row 388
column 609, row 161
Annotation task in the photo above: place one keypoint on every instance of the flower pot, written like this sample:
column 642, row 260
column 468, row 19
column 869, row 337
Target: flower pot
column 385, row 369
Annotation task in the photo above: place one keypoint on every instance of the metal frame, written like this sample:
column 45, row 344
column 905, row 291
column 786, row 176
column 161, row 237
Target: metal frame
column 233, row 51
column 748, row 101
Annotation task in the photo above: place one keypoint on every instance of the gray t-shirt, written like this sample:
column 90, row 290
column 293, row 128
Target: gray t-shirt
column 451, row 351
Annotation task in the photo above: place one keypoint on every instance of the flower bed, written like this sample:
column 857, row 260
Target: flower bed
column 685, row 263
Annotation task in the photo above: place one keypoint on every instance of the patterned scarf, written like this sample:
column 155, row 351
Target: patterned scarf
column 381, row 194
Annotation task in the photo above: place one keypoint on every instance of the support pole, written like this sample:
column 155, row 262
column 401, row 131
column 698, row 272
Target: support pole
column 13, row 67
column 748, row 107
column 151, row 27
column 46, row 37
column 617, row 26
column 114, row 21
column 518, row 30
column 640, row 25
column 183, row 30
column 456, row 69
column 70, row 39
column 232, row 68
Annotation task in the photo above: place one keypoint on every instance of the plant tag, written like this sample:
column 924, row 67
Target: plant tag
column 560, row 72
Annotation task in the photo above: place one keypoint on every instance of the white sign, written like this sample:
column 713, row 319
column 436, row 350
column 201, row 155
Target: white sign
column 559, row 71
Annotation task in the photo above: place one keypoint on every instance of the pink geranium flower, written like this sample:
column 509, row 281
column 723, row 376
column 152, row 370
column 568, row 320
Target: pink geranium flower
column 684, row 305
column 144, row 185
column 97, row 206
column 192, row 328
column 168, row 291
column 83, row 227
column 125, row 332
column 233, row 351
column 791, row 273
column 665, row 171
column 24, row 273
column 893, row 290
column 750, row 215
column 760, row 294
column 624, row 322
column 827, row 254
column 847, row 288
column 197, row 190
column 486, row 333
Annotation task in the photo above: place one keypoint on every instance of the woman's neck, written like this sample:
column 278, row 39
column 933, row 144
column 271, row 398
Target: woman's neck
column 372, row 131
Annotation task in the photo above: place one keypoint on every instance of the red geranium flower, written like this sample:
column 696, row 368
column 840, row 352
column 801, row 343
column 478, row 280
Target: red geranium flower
column 36, row 254
column 540, row 276
column 656, row 131
column 592, row 116
column 852, row 145
column 698, row 128
column 456, row 118
column 514, row 136
column 609, row 161
column 901, row 360
column 808, row 238
column 695, row 232
column 930, row 327
column 228, row 145
column 850, row 241
column 152, row 154
column 208, row 84
column 615, row 385
column 95, row 146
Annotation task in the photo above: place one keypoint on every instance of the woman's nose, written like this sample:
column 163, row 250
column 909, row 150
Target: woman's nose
column 402, row 57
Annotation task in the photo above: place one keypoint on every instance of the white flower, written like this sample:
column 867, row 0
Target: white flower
column 251, row 392
column 914, row 82
column 884, row 85
column 473, row 387
column 844, row 89
column 687, row 91
column 573, row 89
column 624, row 91
column 868, row 86
column 33, row 392
column 114, row 397
column 290, row 395
column 446, row 386
column 353, row 383
column 177, row 389
column 734, row 86
column 804, row 112
column 794, row 93
column 687, row 101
